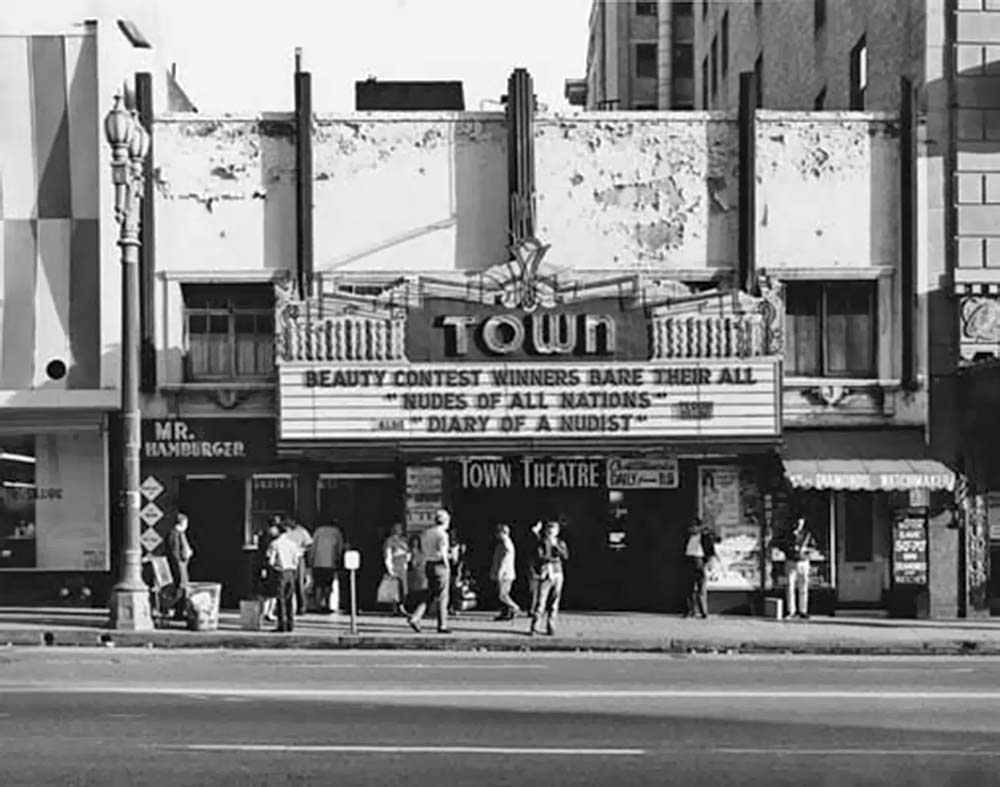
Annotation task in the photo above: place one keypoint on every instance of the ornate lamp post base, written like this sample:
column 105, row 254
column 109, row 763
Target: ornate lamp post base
column 130, row 609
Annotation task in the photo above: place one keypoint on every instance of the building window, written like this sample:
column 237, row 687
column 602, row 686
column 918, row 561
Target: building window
column 683, row 67
column 704, row 8
column 758, row 6
column 704, row 83
column 859, row 527
column 645, row 61
column 229, row 331
column 714, row 56
column 820, row 101
column 645, row 9
column 725, row 44
column 819, row 15
column 645, row 107
column 859, row 74
column 831, row 329
column 758, row 72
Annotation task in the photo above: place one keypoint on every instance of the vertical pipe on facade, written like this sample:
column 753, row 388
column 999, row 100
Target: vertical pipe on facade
column 147, row 241
column 908, row 227
column 303, row 177
column 748, row 183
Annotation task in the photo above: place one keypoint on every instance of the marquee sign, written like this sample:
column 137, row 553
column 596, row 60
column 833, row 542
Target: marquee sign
column 657, row 399
column 530, row 352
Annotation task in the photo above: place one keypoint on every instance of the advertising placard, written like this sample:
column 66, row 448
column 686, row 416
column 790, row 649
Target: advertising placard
column 720, row 508
column 909, row 551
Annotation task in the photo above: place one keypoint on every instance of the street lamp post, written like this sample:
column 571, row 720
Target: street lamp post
column 129, row 146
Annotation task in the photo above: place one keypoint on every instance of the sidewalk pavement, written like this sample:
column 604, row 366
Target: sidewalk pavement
column 577, row 631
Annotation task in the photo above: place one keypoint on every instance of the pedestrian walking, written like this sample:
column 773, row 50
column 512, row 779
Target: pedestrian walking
column 326, row 558
column 396, row 558
column 534, row 542
column 267, row 579
column 179, row 554
column 798, row 548
column 300, row 534
column 551, row 555
column 284, row 556
column 699, row 550
column 503, row 573
column 436, row 552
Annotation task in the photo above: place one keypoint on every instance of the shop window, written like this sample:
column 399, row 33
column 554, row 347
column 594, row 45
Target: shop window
column 53, row 511
column 859, row 525
column 645, row 9
column 831, row 329
column 229, row 331
column 645, row 61
column 271, row 495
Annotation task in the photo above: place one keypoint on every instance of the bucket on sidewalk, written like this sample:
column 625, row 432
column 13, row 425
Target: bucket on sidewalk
column 203, row 606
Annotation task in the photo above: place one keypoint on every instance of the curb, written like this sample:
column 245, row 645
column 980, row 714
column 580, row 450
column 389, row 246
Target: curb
column 182, row 640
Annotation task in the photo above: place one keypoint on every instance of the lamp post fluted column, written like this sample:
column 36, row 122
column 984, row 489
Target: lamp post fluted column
column 130, row 607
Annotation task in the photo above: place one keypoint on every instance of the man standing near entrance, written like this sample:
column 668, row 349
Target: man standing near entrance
column 798, row 548
column 179, row 554
column 503, row 573
column 284, row 556
column 326, row 555
column 437, row 551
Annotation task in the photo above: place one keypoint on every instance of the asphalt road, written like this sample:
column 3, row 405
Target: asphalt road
column 109, row 717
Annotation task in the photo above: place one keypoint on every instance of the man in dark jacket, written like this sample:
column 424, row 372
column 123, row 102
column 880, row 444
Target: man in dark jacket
column 179, row 554
column 798, row 547
column 698, row 550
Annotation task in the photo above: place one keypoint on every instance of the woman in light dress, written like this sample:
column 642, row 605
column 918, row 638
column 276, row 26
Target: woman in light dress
column 396, row 556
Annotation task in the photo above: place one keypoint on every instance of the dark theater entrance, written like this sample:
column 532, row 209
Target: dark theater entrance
column 626, row 547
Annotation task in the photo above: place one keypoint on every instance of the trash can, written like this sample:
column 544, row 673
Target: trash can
column 203, row 606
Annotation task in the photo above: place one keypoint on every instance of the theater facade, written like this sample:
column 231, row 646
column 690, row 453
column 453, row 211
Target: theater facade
column 625, row 407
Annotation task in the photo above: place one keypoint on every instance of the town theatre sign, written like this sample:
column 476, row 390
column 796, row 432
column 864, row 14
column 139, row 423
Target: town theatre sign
column 515, row 354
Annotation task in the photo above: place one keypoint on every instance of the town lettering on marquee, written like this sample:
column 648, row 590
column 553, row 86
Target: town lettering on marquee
column 535, row 334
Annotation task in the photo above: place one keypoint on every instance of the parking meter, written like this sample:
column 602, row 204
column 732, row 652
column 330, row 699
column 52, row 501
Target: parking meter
column 352, row 562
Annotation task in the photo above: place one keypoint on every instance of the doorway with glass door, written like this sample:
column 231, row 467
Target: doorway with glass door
column 364, row 506
column 863, row 548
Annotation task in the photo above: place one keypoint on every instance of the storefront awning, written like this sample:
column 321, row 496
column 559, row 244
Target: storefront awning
column 872, row 460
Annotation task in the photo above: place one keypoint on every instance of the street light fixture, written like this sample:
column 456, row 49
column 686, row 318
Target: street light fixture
column 129, row 143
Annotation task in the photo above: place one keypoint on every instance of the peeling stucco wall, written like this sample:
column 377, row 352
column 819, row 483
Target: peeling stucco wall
column 634, row 192
column 410, row 193
column 833, row 180
column 614, row 191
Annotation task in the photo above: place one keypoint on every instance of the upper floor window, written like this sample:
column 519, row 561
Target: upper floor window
column 859, row 74
column 683, row 61
column 229, row 331
column 725, row 44
column 645, row 9
column 704, row 83
column 714, row 59
column 831, row 329
column 758, row 72
column 645, row 60
column 819, row 15
column 820, row 101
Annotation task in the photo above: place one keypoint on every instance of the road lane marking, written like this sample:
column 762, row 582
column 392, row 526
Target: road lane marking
column 124, row 715
column 371, row 749
column 860, row 752
column 207, row 692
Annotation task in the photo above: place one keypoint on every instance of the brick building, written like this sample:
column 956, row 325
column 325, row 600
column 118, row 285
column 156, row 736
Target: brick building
column 639, row 57
column 850, row 55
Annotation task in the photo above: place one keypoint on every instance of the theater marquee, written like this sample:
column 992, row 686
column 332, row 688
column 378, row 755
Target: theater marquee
column 527, row 353
column 657, row 399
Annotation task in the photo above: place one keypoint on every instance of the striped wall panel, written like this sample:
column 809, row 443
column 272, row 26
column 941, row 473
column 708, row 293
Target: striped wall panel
column 49, row 211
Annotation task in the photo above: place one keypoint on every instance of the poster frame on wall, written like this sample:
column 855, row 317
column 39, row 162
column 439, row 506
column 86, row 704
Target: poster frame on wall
column 737, row 542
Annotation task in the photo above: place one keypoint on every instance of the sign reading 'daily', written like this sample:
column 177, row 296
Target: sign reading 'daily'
column 660, row 398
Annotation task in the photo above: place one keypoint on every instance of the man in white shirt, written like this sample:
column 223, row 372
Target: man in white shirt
column 503, row 573
column 437, row 550
column 284, row 556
